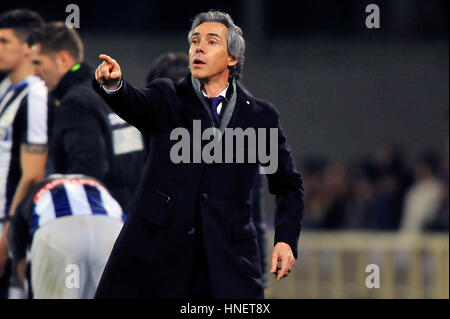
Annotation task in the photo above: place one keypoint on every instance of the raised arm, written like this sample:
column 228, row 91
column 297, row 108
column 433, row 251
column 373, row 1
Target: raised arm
column 142, row 108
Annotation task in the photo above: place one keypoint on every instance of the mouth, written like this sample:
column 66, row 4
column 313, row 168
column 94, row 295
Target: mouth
column 198, row 62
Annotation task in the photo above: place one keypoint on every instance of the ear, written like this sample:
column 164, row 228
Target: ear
column 65, row 57
column 232, row 61
column 27, row 49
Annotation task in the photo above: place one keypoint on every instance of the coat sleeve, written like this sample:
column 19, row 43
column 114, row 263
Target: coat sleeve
column 287, row 185
column 142, row 108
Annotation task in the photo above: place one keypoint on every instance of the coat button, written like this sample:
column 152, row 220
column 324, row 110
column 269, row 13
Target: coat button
column 204, row 196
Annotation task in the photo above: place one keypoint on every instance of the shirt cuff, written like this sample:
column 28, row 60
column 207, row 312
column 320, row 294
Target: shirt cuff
column 113, row 91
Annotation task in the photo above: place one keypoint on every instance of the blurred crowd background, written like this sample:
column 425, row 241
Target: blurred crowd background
column 379, row 192
column 366, row 110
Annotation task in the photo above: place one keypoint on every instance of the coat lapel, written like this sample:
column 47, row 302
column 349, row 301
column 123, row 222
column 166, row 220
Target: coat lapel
column 241, row 110
column 229, row 109
column 234, row 115
column 192, row 104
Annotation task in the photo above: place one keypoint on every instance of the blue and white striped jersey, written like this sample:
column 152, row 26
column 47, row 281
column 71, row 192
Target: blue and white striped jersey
column 59, row 196
column 72, row 196
column 24, row 119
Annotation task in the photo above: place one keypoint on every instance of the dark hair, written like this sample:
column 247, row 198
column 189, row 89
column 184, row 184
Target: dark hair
column 22, row 21
column 55, row 37
column 170, row 65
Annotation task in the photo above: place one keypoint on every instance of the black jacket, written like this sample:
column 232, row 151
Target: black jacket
column 154, row 254
column 82, row 140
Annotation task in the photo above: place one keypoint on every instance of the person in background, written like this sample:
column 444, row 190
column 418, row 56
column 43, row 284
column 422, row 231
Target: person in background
column 24, row 123
column 315, row 204
column 83, row 141
column 69, row 223
column 440, row 220
column 391, row 180
column 336, row 193
column 171, row 65
column 361, row 201
column 424, row 197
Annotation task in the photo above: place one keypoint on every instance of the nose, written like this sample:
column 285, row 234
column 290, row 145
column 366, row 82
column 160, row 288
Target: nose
column 200, row 47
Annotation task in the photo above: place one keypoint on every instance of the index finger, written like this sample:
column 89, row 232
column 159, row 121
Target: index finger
column 106, row 58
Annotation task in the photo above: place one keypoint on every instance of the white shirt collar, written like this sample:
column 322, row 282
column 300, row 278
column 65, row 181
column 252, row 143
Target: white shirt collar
column 223, row 93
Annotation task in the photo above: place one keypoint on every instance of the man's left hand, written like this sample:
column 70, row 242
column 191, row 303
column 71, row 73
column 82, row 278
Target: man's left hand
column 282, row 253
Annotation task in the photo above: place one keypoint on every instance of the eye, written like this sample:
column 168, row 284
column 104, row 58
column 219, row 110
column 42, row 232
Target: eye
column 212, row 42
column 194, row 41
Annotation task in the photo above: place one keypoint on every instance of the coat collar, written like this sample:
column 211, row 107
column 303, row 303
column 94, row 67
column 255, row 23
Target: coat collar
column 78, row 73
column 188, row 93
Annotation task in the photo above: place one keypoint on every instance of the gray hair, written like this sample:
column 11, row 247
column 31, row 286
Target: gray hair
column 235, row 39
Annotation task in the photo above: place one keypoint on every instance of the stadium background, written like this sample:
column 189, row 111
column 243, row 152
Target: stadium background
column 343, row 92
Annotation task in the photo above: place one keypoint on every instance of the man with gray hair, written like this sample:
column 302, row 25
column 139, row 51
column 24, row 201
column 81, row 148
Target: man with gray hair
column 189, row 232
